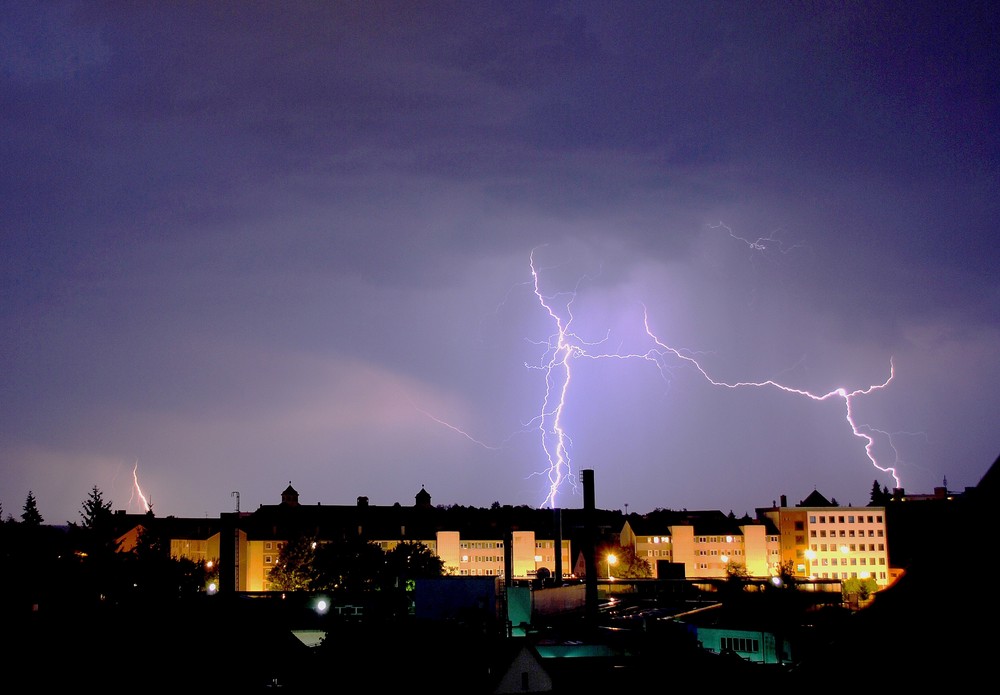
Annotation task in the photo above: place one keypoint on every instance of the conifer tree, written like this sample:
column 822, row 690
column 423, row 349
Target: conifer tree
column 30, row 516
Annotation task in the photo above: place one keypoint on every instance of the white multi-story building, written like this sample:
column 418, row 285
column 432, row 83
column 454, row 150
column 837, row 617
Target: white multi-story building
column 820, row 540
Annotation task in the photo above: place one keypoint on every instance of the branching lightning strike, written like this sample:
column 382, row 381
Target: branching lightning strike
column 562, row 348
column 564, row 345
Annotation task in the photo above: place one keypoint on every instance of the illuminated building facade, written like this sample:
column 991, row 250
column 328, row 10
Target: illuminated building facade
column 815, row 539
column 822, row 540
column 470, row 542
column 701, row 544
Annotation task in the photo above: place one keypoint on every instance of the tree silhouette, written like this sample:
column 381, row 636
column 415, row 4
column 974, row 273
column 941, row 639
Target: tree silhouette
column 96, row 512
column 626, row 564
column 95, row 547
column 294, row 570
column 350, row 566
column 411, row 560
column 879, row 496
column 30, row 516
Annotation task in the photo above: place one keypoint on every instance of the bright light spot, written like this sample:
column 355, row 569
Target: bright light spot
column 322, row 606
column 776, row 581
column 810, row 554
column 843, row 549
column 212, row 588
column 724, row 558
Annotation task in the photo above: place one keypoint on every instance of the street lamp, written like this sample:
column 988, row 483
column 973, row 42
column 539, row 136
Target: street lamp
column 611, row 560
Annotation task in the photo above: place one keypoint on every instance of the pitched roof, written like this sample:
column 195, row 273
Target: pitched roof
column 815, row 500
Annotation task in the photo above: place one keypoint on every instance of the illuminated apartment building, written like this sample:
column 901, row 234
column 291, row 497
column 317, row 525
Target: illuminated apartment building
column 701, row 544
column 821, row 540
column 470, row 542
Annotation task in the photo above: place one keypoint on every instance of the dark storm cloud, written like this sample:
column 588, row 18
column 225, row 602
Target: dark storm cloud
column 248, row 242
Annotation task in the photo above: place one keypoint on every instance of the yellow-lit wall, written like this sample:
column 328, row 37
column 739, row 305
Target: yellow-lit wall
column 195, row 549
column 448, row 549
column 755, row 549
column 706, row 556
column 848, row 542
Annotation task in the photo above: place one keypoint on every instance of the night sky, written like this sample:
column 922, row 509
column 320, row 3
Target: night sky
column 248, row 243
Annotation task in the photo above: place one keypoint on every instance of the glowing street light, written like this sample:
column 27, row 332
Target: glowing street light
column 611, row 560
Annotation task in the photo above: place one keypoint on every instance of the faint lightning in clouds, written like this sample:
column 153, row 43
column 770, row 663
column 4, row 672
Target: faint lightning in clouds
column 764, row 243
column 459, row 430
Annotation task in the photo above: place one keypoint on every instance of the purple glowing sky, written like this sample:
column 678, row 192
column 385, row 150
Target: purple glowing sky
column 251, row 243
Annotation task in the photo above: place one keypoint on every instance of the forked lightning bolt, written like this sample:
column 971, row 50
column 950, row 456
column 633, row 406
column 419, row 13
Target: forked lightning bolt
column 564, row 346
column 847, row 396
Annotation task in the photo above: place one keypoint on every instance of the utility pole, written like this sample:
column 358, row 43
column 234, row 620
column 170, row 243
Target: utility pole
column 236, row 542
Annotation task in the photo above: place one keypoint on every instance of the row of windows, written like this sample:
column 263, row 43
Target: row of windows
column 740, row 644
column 861, row 547
column 853, row 561
column 843, row 575
column 872, row 533
column 851, row 519
column 481, row 544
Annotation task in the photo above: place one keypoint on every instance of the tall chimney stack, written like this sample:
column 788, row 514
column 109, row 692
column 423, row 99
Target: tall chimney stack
column 590, row 540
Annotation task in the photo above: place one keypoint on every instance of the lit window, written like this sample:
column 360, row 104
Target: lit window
column 267, row 559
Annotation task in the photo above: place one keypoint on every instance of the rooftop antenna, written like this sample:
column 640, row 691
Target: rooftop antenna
column 236, row 494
